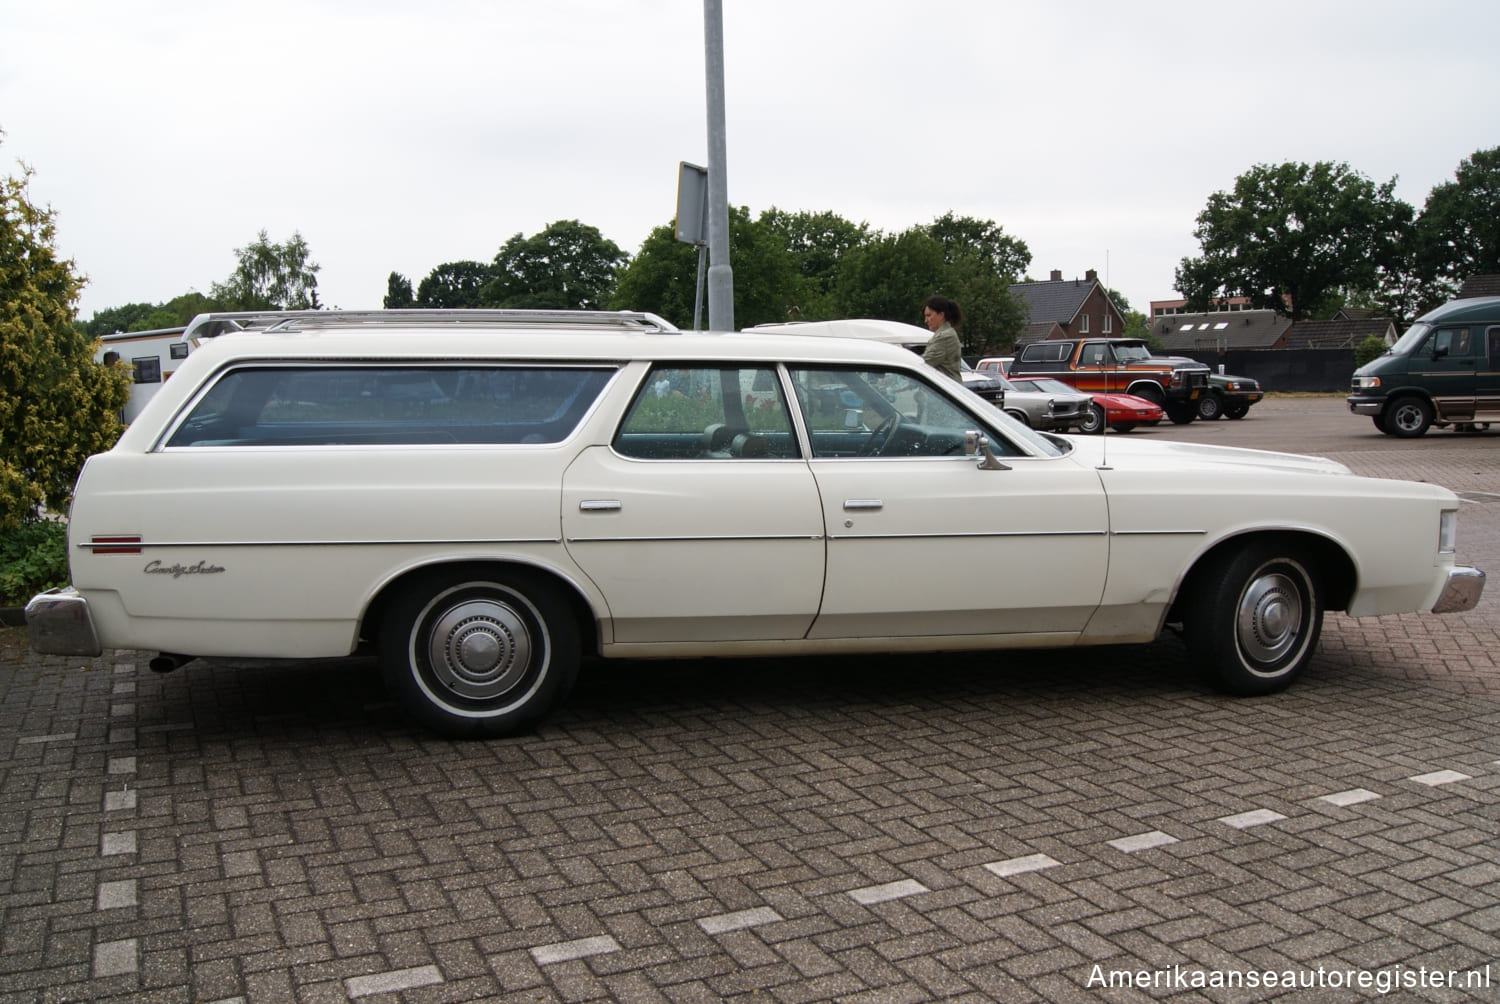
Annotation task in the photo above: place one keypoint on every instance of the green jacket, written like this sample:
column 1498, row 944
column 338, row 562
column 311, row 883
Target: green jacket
column 944, row 352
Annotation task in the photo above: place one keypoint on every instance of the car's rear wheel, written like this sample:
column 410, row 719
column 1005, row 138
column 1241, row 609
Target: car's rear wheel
column 1209, row 407
column 1408, row 417
column 476, row 655
column 1253, row 618
column 1093, row 419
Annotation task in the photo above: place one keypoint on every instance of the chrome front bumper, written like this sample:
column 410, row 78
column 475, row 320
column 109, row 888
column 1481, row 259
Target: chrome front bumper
column 1461, row 591
column 58, row 623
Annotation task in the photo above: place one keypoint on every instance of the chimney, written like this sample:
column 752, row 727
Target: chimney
column 1057, row 275
column 1090, row 276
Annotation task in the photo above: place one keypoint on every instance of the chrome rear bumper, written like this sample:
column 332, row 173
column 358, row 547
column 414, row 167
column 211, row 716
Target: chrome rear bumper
column 58, row 623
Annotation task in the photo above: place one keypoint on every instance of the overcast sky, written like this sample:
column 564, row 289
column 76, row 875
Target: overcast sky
column 398, row 136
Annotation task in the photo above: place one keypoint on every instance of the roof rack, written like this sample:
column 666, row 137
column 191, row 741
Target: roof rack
column 210, row 325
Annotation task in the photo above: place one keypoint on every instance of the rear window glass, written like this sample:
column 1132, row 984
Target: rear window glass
column 391, row 405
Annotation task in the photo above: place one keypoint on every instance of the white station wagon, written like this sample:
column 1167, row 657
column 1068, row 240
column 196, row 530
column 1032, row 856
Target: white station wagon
column 485, row 497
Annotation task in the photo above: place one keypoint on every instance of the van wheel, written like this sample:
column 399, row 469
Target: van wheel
column 476, row 656
column 1254, row 619
column 1408, row 417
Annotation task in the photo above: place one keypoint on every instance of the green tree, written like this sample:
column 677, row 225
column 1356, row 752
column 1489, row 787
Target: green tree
column 1291, row 236
column 662, row 277
column 1458, row 233
column 398, row 294
column 985, row 240
column 455, row 284
column 818, row 244
column 57, row 406
column 567, row 266
column 890, row 276
column 271, row 277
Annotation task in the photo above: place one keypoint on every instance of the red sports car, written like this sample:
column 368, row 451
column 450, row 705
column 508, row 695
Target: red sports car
column 1123, row 412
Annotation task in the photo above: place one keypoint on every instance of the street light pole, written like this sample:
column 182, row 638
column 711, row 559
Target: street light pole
column 720, row 275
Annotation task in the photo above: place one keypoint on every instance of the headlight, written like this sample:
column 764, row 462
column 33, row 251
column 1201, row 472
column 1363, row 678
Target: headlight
column 1447, row 531
column 1366, row 382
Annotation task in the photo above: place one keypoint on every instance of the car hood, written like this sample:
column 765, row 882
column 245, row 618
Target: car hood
column 1146, row 455
column 1125, row 401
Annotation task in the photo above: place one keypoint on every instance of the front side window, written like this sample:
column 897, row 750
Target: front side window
column 1453, row 342
column 707, row 412
column 878, row 413
column 383, row 405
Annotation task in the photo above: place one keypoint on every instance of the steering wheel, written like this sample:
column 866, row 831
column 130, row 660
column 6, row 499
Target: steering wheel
column 881, row 437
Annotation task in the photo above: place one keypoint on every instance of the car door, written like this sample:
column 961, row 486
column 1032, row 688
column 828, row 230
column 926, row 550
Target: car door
column 923, row 540
column 1487, row 384
column 700, row 521
column 1448, row 366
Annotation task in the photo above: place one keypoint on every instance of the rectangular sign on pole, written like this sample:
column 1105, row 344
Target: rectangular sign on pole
column 692, row 203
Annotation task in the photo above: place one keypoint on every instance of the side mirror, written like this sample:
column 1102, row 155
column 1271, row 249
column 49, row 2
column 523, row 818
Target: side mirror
column 976, row 444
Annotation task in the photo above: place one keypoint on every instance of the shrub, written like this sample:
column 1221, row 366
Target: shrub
column 1373, row 347
column 33, row 557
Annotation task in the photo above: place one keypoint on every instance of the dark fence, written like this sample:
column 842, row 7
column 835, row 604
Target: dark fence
column 1284, row 369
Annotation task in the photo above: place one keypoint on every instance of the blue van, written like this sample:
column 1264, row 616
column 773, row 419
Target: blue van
column 1444, row 371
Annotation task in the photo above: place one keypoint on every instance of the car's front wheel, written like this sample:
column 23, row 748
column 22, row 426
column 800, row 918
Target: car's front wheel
column 1209, row 407
column 1254, row 618
column 1408, row 417
column 1236, row 411
column 1093, row 419
column 1123, row 426
column 477, row 655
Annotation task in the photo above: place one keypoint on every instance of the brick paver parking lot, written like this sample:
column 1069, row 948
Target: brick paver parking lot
column 1041, row 826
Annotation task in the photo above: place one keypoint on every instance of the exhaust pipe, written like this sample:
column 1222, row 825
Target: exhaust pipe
column 165, row 662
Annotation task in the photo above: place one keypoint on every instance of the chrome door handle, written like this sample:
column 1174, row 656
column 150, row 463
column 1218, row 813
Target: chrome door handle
column 600, row 505
column 851, row 505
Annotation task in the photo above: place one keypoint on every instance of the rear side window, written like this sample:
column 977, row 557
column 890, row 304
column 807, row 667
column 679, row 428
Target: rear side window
column 391, row 405
column 1046, row 352
column 706, row 412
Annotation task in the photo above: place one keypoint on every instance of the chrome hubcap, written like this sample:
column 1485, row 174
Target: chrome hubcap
column 480, row 648
column 1270, row 618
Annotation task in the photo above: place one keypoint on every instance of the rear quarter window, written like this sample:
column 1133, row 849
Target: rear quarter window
column 381, row 405
column 1047, row 352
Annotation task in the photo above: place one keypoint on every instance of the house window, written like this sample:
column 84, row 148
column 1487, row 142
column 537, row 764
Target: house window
column 1083, row 324
column 1109, row 323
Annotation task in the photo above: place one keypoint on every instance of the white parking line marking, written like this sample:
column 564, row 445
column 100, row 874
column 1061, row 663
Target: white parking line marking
column 1142, row 841
column 582, row 948
column 1256, row 817
column 1351, row 797
column 113, row 895
column 116, row 958
column 1439, row 777
column 739, row 920
column 392, row 982
column 885, row 893
column 1018, row 866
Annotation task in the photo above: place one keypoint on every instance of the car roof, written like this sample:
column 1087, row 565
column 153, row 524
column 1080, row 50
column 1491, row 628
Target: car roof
column 892, row 332
column 441, row 343
column 1478, row 308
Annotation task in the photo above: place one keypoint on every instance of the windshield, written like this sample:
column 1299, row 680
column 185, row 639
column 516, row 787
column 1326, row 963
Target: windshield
column 1046, row 386
column 1408, row 342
